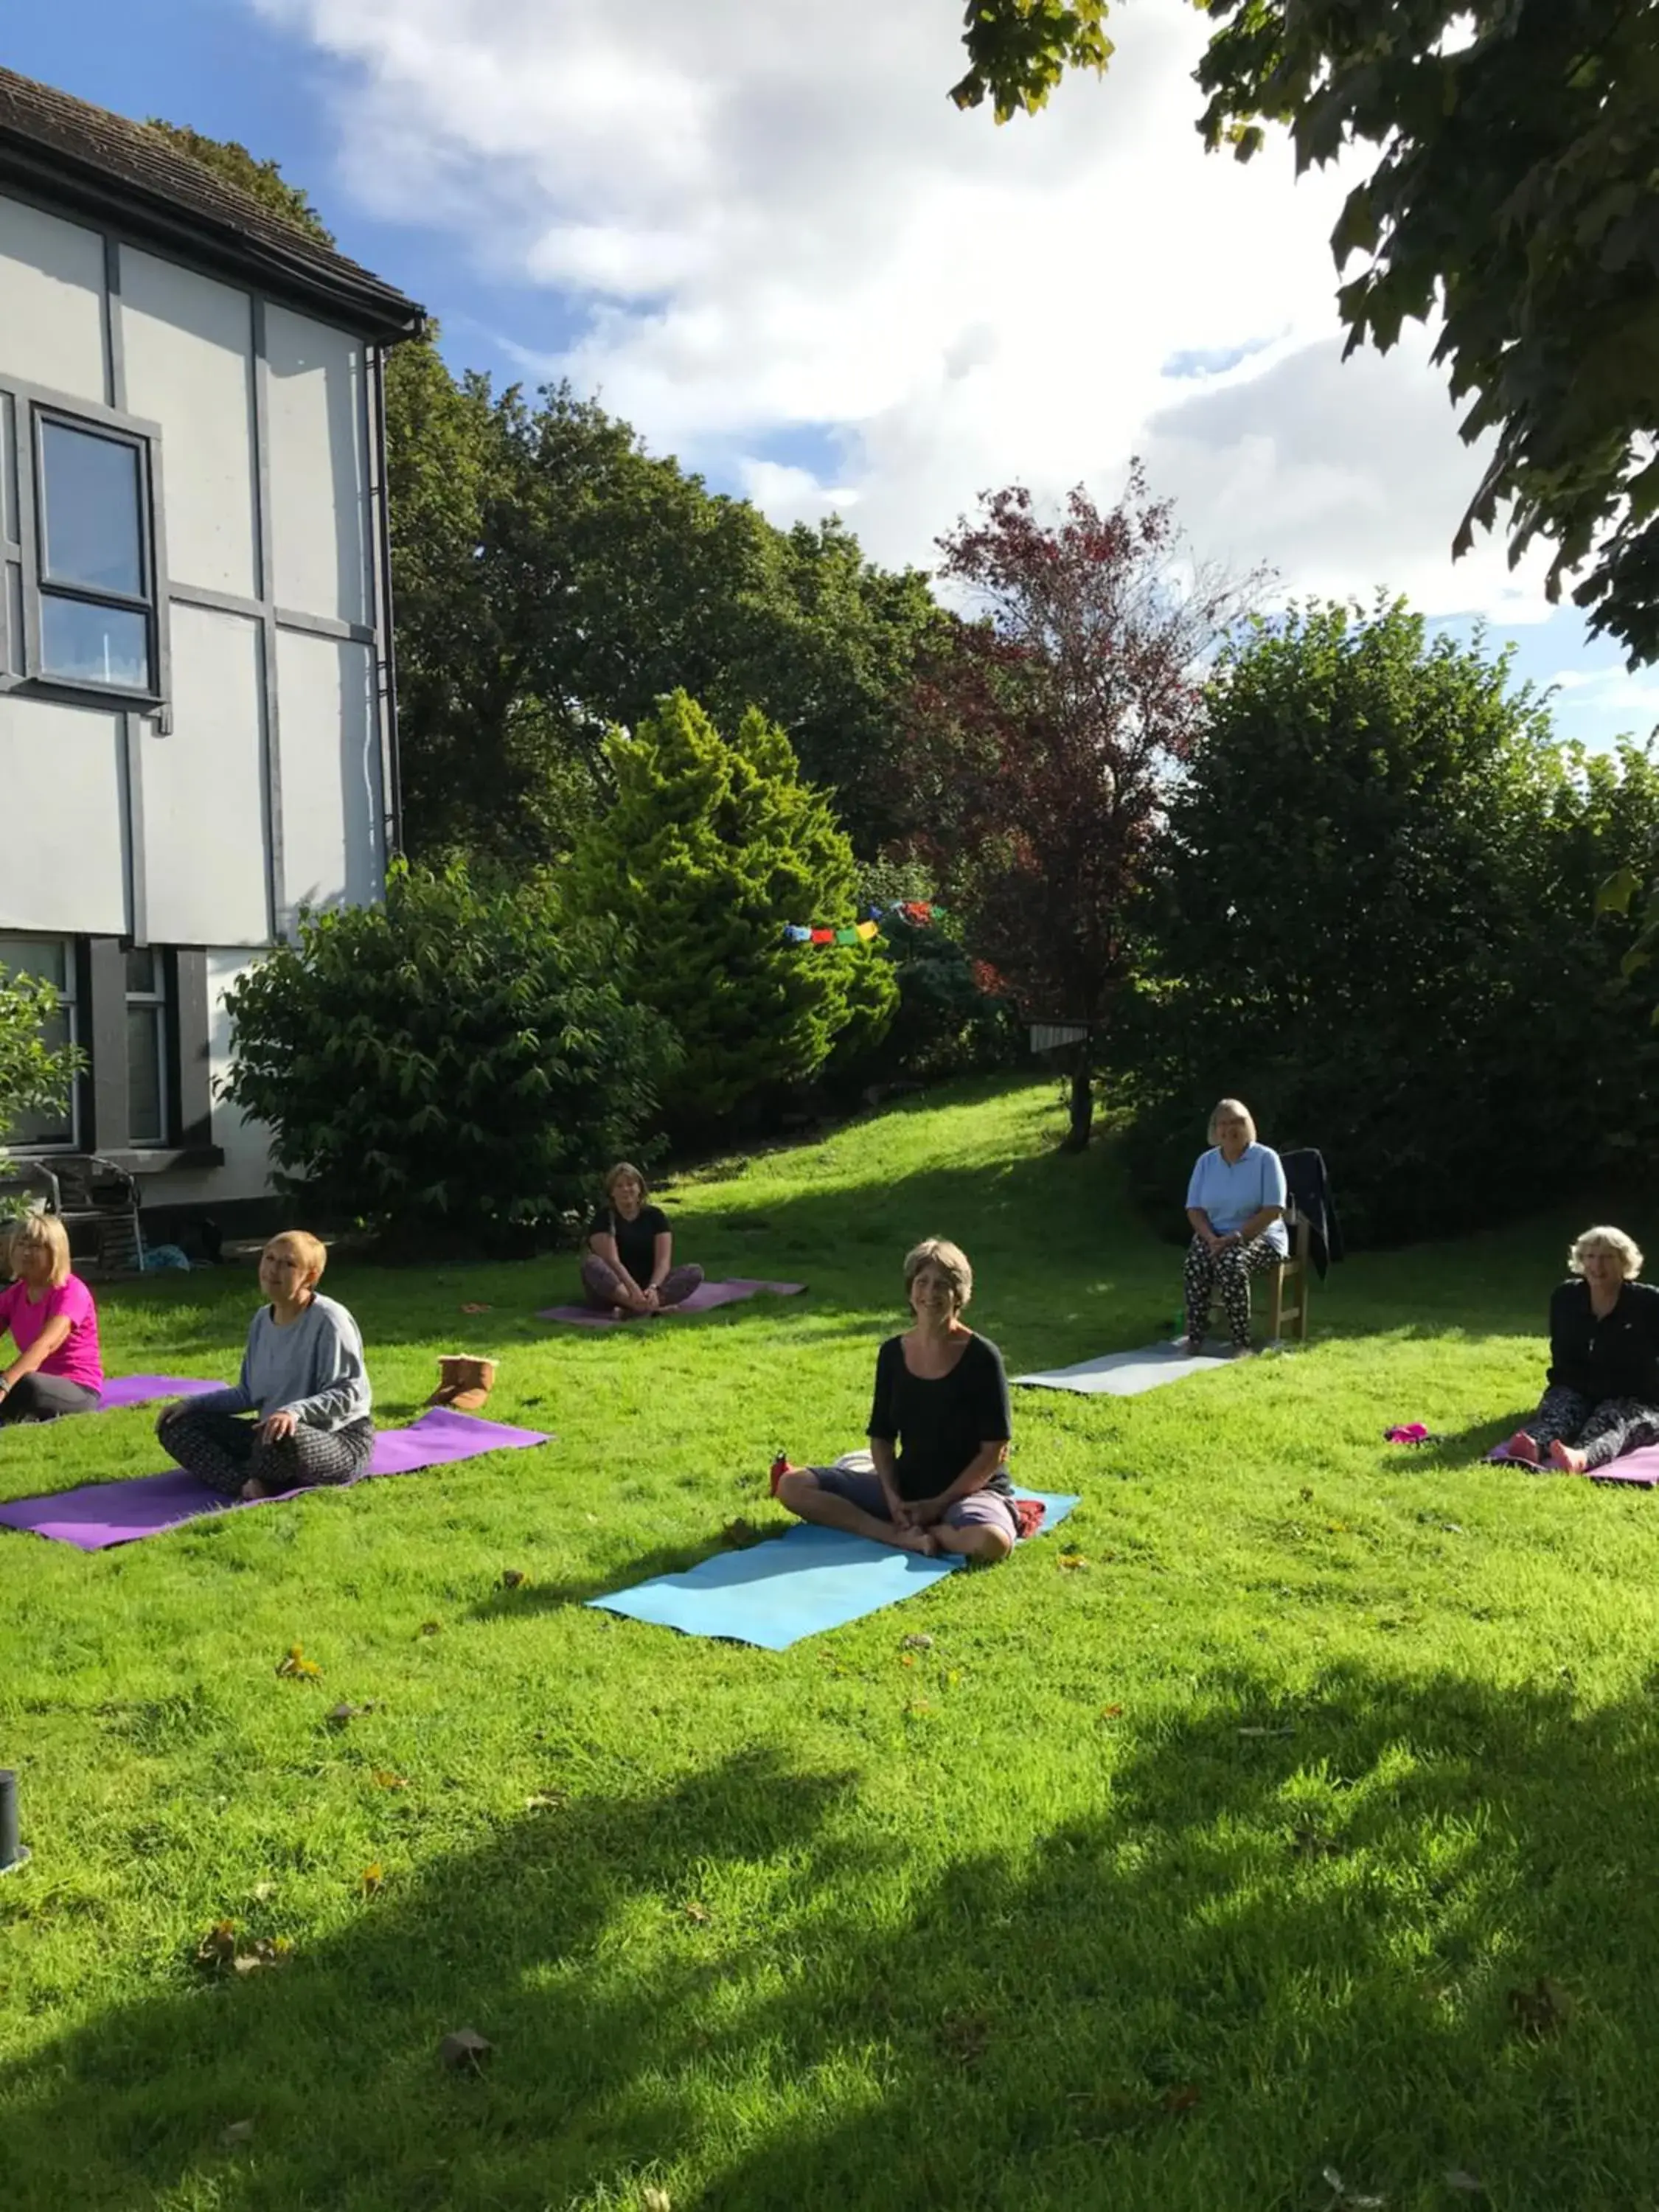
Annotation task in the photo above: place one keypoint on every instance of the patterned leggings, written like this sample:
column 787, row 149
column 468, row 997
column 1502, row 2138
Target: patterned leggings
column 1225, row 1274
column 603, row 1284
column 1602, row 1432
column 223, row 1450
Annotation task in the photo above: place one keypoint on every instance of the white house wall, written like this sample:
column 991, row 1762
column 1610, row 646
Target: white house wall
column 52, row 285
column 332, row 803
column 321, row 536
column 187, row 351
column 246, row 1170
column 203, row 788
column 61, row 773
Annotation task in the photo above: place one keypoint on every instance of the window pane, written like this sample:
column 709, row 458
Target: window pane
column 45, row 957
column 141, row 979
column 146, row 1104
column 92, row 511
column 94, row 645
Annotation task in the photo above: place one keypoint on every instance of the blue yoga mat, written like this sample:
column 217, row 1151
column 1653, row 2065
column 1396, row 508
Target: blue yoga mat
column 793, row 1585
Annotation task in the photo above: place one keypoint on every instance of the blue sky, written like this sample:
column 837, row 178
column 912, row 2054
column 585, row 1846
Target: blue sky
column 767, row 239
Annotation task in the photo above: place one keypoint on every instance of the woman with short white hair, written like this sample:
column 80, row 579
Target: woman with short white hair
column 1236, row 1203
column 1602, row 1398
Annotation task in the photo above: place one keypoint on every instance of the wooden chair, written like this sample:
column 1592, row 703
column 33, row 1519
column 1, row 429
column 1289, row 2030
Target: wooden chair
column 1287, row 1284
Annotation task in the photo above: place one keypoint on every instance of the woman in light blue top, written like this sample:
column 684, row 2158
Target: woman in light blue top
column 1236, row 1203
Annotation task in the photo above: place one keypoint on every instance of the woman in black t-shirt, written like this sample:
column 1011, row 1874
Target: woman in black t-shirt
column 627, row 1267
column 938, row 1431
column 1602, row 1397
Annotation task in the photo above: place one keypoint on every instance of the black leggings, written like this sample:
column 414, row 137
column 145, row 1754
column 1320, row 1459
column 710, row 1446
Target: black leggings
column 45, row 1398
column 224, row 1451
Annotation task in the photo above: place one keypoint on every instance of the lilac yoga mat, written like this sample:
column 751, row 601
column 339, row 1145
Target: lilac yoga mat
column 101, row 1514
column 1639, row 1469
column 142, row 1389
column 706, row 1296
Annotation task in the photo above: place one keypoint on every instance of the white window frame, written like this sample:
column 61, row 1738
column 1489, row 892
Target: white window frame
column 69, row 1000
column 29, row 409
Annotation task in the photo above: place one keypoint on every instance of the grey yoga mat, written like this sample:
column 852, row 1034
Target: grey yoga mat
column 1127, row 1373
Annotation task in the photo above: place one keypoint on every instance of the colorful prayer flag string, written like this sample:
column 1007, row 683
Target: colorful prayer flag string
column 918, row 912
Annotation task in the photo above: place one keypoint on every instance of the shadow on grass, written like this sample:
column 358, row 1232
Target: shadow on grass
column 1286, row 1937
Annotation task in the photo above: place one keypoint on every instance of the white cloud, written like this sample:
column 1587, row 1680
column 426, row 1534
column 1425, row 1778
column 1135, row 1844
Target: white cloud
column 771, row 221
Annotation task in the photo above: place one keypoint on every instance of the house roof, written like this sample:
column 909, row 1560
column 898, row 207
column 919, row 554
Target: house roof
column 98, row 166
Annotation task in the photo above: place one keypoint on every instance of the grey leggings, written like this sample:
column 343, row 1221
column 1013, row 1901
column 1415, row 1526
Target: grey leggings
column 224, row 1451
column 603, row 1284
column 45, row 1398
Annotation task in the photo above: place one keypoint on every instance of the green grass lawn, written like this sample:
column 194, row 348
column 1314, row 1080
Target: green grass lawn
column 1177, row 1869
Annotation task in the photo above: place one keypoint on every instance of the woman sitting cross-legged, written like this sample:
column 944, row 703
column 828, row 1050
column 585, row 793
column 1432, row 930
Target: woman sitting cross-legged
column 629, row 1266
column 1236, row 1203
column 54, row 1324
column 300, row 1414
column 938, row 1431
column 1602, row 1397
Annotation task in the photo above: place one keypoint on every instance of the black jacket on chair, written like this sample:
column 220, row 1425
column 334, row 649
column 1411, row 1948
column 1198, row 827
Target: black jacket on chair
column 1309, row 1188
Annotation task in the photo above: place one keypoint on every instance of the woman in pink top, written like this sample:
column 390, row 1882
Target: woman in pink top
column 54, row 1325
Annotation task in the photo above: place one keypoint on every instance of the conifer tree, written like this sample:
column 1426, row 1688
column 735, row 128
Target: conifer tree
column 711, row 848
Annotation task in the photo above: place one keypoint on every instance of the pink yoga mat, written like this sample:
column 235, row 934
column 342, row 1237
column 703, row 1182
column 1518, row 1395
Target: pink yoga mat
column 142, row 1389
column 1640, row 1469
column 101, row 1514
column 702, row 1300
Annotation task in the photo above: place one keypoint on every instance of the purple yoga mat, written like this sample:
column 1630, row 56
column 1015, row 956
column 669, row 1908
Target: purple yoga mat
column 101, row 1514
column 706, row 1296
column 141, row 1390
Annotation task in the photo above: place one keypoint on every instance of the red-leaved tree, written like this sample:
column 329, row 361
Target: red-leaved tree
column 1044, row 735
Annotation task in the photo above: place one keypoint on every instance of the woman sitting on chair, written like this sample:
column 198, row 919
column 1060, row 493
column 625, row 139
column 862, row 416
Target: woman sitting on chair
column 1236, row 1203
column 939, row 1432
column 1602, row 1397
column 628, row 1266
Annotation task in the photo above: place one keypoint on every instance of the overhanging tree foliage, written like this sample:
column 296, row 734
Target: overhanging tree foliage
column 1044, row 738
column 1512, row 196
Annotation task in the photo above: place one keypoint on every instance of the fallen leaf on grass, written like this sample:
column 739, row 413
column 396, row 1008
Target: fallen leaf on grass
column 918, row 1643
column 1072, row 1562
column 1183, row 2099
column 513, row 1577
column 218, row 1947
column 374, row 1879
column 238, row 2131
column 471, row 1306
column 907, row 1658
column 297, row 1665
column 263, row 1891
column 697, row 1914
column 1342, row 2195
column 1111, row 1712
column 545, row 1800
column 384, row 1779
column 1544, row 2009
column 263, row 1954
column 466, row 2050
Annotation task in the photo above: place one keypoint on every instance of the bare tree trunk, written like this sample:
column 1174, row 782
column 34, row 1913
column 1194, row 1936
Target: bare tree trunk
column 1082, row 1099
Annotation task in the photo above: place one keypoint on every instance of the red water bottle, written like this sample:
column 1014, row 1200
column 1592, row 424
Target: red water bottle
column 780, row 1468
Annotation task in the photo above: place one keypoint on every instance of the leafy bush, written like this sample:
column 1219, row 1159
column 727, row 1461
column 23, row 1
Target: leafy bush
column 35, row 1078
column 455, row 1056
column 711, row 848
column 1376, row 924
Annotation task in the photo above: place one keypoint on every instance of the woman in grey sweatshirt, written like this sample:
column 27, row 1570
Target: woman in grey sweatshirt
column 299, row 1412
